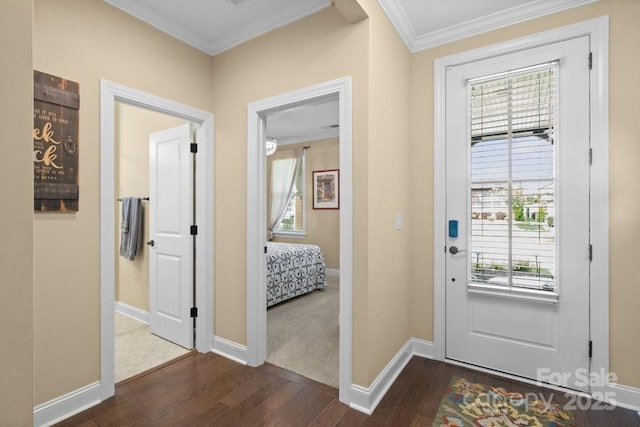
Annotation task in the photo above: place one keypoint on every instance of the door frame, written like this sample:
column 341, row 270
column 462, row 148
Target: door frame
column 598, row 31
column 257, row 230
column 110, row 93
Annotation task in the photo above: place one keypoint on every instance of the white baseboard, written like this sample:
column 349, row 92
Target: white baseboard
column 366, row 399
column 332, row 272
column 229, row 349
column 63, row 407
column 625, row 396
column 133, row 312
column 421, row 348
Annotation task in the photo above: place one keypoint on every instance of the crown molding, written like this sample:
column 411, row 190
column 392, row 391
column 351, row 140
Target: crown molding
column 268, row 23
column 494, row 21
column 162, row 23
column 242, row 34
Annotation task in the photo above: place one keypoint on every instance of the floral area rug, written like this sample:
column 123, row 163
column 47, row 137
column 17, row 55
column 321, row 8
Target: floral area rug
column 472, row 404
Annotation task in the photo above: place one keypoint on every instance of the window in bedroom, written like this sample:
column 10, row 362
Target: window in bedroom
column 293, row 220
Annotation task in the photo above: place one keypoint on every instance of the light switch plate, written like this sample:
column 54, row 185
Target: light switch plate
column 398, row 220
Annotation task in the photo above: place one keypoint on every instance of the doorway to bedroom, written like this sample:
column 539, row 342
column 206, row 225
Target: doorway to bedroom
column 299, row 228
column 303, row 239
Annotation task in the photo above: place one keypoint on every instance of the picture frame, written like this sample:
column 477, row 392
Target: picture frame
column 326, row 189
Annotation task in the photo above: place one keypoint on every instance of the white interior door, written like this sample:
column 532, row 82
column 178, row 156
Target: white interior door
column 517, row 177
column 170, row 220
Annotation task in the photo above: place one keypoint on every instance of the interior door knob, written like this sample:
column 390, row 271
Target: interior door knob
column 151, row 243
column 454, row 250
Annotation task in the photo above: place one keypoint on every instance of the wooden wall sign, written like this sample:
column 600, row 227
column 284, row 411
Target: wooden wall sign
column 56, row 106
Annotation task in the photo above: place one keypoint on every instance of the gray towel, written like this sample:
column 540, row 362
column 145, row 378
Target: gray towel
column 131, row 228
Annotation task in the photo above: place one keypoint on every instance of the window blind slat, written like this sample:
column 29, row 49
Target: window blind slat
column 511, row 128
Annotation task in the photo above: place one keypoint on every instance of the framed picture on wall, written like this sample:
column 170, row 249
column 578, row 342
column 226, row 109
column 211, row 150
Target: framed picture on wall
column 326, row 189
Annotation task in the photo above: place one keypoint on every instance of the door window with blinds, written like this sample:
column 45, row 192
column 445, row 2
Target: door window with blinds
column 512, row 123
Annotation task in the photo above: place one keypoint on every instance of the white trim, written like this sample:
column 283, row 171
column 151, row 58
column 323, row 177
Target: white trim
column 365, row 399
column 256, row 222
column 332, row 272
column 598, row 31
column 290, row 234
column 599, row 223
column 133, row 312
column 184, row 33
column 293, row 12
column 63, row 407
column 625, row 396
column 110, row 93
column 229, row 349
column 494, row 21
column 421, row 348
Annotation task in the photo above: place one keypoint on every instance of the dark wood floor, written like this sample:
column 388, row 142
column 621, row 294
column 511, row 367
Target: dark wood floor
column 206, row 389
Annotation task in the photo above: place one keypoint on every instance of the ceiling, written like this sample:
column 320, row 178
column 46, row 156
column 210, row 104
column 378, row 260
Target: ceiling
column 214, row 26
column 310, row 121
column 427, row 23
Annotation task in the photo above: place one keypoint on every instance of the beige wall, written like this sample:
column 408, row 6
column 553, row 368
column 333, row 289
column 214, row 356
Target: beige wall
column 624, row 178
column 16, row 211
column 133, row 126
column 389, row 284
column 84, row 41
column 317, row 49
column 322, row 226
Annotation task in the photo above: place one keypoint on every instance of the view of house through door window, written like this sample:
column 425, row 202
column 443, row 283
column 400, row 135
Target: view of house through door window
column 512, row 234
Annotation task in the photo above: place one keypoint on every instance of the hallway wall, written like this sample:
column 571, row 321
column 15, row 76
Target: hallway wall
column 16, row 211
column 85, row 41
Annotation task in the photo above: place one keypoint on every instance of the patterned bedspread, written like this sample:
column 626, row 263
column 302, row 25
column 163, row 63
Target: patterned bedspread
column 292, row 270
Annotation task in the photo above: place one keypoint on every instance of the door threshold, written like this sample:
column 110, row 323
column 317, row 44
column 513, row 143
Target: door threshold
column 156, row 368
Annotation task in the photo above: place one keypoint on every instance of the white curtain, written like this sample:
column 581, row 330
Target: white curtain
column 284, row 169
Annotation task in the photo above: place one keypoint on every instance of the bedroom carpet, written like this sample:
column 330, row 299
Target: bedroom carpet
column 302, row 334
column 138, row 350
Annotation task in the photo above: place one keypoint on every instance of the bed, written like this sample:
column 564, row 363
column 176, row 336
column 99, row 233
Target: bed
column 292, row 270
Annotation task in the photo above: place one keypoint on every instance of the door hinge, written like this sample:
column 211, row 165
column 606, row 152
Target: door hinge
column 590, row 349
column 590, row 252
column 194, row 230
column 194, row 147
column 590, row 60
column 194, row 311
column 265, row 249
column 590, row 156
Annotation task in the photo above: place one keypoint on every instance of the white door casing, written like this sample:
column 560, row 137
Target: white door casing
column 170, row 219
column 256, row 222
column 519, row 332
column 110, row 93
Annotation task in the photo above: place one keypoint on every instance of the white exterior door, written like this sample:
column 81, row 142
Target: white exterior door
column 518, row 245
column 171, row 217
